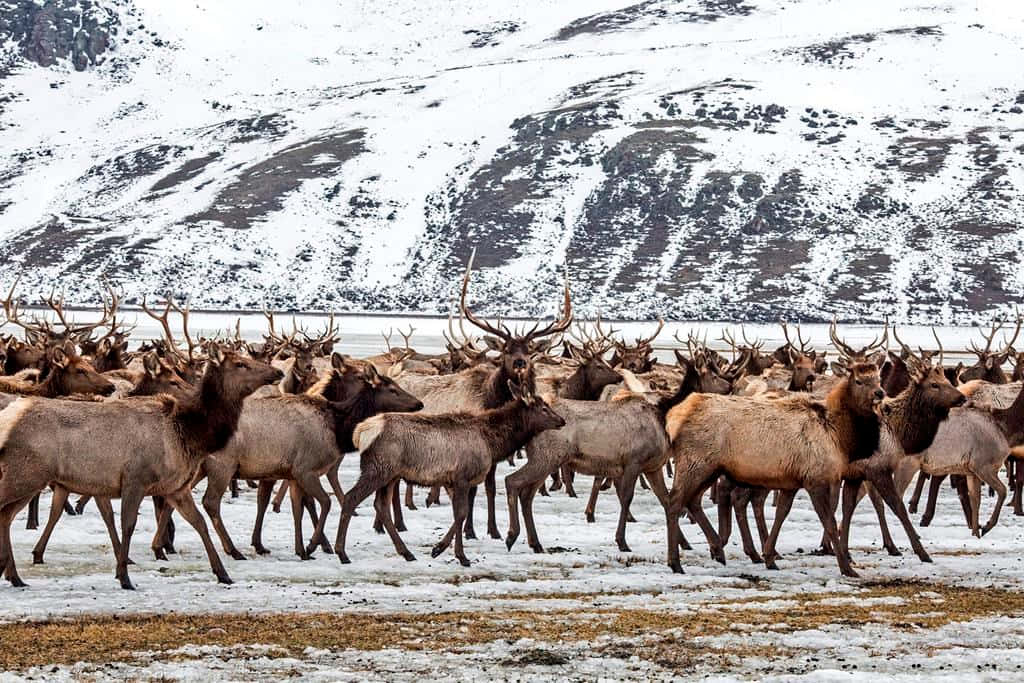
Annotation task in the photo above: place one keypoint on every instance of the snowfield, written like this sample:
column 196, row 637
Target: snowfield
column 759, row 634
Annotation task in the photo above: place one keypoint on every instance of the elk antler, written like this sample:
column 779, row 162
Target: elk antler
column 172, row 346
column 184, row 326
column 645, row 341
column 998, row 325
column 406, row 337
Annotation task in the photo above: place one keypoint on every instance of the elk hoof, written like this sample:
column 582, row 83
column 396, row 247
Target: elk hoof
column 464, row 561
column 925, row 521
column 170, row 549
column 510, row 541
column 159, row 554
column 822, row 552
column 126, row 584
column 571, row 493
column 537, row 548
column 912, row 508
column 676, row 567
column 326, row 547
column 343, row 558
column 924, row 557
column 236, row 555
column 411, row 506
column 400, row 527
column 225, row 579
column 985, row 529
column 494, row 533
column 770, row 564
column 260, row 550
column 850, row 573
column 590, row 518
column 379, row 528
column 623, row 548
column 310, row 549
column 436, row 550
column 544, row 492
column 276, row 508
column 718, row 555
column 470, row 533
column 409, row 557
column 755, row 558
column 630, row 517
column 894, row 551
column 685, row 545
column 37, row 558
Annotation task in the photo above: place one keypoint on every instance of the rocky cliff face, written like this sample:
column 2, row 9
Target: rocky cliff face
column 741, row 159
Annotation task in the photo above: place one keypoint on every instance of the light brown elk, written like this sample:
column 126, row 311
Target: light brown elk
column 990, row 363
column 485, row 386
column 454, row 450
column 159, row 446
column 299, row 438
column 637, row 358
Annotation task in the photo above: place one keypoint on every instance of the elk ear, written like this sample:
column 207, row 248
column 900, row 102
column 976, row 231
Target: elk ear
column 215, row 354
column 394, row 370
column 371, row 375
column 493, row 343
column 151, row 364
column 59, row 357
column 337, row 361
column 541, row 346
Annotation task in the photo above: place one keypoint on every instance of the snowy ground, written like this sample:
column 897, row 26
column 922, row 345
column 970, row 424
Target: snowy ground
column 583, row 610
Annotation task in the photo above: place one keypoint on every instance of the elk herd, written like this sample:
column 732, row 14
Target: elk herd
column 82, row 414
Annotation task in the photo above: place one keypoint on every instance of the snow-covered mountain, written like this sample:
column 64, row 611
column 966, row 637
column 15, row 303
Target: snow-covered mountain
column 741, row 159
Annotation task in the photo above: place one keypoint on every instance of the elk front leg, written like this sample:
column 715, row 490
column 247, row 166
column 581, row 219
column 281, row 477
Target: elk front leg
column 882, row 480
column 131, row 499
column 783, row 504
column 934, row 484
column 60, row 496
column 383, row 504
column 263, row 494
column 918, row 489
column 33, row 513
column 186, row 507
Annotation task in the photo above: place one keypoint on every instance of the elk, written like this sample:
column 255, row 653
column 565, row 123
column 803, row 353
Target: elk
column 636, row 357
column 455, row 450
column 486, row 386
column 990, row 363
column 158, row 378
column 758, row 362
column 161, row 443
column 618, row 440
column 299, row 438
column 799, row 442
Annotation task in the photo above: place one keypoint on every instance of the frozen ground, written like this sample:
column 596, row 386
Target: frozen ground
column 583, row 610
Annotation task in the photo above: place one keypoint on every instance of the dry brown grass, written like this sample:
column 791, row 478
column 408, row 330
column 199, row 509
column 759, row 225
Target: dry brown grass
column 666, row 636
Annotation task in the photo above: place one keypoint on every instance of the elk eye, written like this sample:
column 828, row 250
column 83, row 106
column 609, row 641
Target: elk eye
column 858, row 382
column 935, row 385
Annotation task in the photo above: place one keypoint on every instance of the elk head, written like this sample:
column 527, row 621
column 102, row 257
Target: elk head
column 802, row 361
column 517, row 349
column 990, row 363
column 636, row 357
column 538, row 416
column 759, row 362
column 237, row 375
column 872, row 353
column 158, row 377
column 69, row 373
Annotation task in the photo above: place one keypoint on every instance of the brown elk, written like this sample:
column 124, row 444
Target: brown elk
column 800, row 443
column 299, row 438
column 990, row 363
column 159, row 446
column 637, row 358
column 618, row 440
column 759, row 362
column 455, row 450
column 486, row 386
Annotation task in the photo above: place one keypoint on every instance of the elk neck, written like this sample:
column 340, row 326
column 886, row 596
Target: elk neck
column 857, row 434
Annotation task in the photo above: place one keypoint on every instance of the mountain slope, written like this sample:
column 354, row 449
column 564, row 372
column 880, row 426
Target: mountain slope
column 750, row 159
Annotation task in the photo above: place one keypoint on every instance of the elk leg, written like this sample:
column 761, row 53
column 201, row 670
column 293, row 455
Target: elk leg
column 295, row 497
column 556, row 479
column 282, row 490
column 7, row 514
column 1018, row 488
column 783, row 503
column 310, row 483
column 851, row 496
column 360, row 491
column 69, row 509
column 643, row 485
column 517, row 488
column 168, row 534
column 625, row 488
column 758, row 497
column 724, row 500
column 491, row 488
column 186, row 507
column 60, row 496
column 959, row 484
column 434, row 497
column 234, row 486
column 568, row 476
column 883, row 524
column 543, row 489
column 396, row 503
column 740, row 497
column 33, row 513
column 595, row 491
column 915, row 498
column 107, row 514
column 825, row 548
column 332, row 478
column 821, row 497
column 409, row 502
column 80, row 505
column 668, row 469
column 933, row 496
column 469, row 531
column 163, row 519
column 685, row 494
column 883, row 482
column 263, row 494
column 532, row 539
column 131, row 499
column 661, row 493
column 383, row 503
column 992, row 479
column 460, row 503
column 218, row 478
column 697, row 512
column 974, row 494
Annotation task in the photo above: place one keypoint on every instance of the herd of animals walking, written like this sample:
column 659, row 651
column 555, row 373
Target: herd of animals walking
column 82, row 414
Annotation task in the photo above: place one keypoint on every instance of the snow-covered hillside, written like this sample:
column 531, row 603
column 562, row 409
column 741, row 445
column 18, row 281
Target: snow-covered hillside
column 742, row 159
